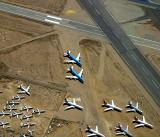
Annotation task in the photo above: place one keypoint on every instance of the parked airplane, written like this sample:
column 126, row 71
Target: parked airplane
column 76, row 75
column 2, row 113
column 10, row 108
column 73, row 60
column 28, row 125
column 24, row 90
column 15, row 114
column 141, row 123
column 12, row 103
column 17, row 97
column 72, row 105
column 93, row 133
column 133, row 108
column 38, row 111
column 122, row 131
column 3, row 124
column 26, row 108
column 26, row 117
column 111, row 106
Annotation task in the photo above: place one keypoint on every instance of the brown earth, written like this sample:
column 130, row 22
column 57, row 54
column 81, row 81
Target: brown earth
column 32, row 53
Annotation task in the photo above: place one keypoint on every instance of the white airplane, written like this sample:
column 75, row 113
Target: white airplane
column 76, row 75
column 29, row 134
column 72, row 105
column 28, row 125
column 12, row 103
column 141, row 123
column 17, row 97
column 133, row 108
column 10, row 108
column 93, row 133
column 26, row 117
column 122, row 131
column 38, row 111
column 2, row 113
column 3, row 124
column 73, row 60
column 15, row 114
column 26, row 108
column 111, row 106
column 24, row 90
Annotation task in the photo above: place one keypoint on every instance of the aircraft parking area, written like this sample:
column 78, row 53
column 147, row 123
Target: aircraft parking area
column 31, row 53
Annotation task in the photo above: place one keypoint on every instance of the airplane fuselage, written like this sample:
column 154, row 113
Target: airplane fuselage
column 113, row 107
column 144, row 123
column 74, row 73
column 94, row 132
column 75, row 105
column 70, row 56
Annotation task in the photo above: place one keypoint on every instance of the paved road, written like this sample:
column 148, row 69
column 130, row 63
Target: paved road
column 142, row 69
column 43, row 17
column 146, row 3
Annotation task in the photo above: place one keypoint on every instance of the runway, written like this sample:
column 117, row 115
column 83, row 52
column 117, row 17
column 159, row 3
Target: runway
column 148, row 4
column 137, row 63
column 50, row 19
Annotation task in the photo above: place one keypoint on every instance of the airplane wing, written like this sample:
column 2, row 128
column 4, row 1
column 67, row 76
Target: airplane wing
column 137, row 105
column 70, row 107
column 131, row 110
column 127, row 128
column 139, row 125
column 120, row 133
column 97, row 129
column 144, row 119
column 69, row 61
column 72, row 77
column 28, row 88
column 74, row 101
column 80, row 73
column 78, row 57
column 91, row 135
column 112, row 103
column 108, row 109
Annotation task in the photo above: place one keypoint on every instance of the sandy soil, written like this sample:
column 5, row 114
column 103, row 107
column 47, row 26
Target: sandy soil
column 40, row 64
column 48, row 6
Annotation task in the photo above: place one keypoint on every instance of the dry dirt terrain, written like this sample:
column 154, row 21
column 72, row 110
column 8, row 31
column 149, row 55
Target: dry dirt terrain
column 32, row 53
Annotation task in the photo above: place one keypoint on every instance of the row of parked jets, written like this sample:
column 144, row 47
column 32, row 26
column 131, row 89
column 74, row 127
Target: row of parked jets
column 120, row 130
column 10, row 108
column 74, row 60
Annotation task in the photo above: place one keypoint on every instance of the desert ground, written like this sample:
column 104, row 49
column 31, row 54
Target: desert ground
column 31, row 53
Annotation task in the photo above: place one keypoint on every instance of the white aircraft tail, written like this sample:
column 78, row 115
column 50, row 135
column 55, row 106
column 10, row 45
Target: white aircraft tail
column 66, row 53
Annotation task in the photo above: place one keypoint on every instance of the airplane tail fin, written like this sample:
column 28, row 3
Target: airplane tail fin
column 129, row 104
column 69, row 69
column 66, row 53
column 135, row 119
column 65, row 101
column 88, row 128
column 104, row 102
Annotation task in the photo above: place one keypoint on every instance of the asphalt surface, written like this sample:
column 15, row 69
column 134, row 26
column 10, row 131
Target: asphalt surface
column 146, row 3
column 50, row 19
column 137, row 63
